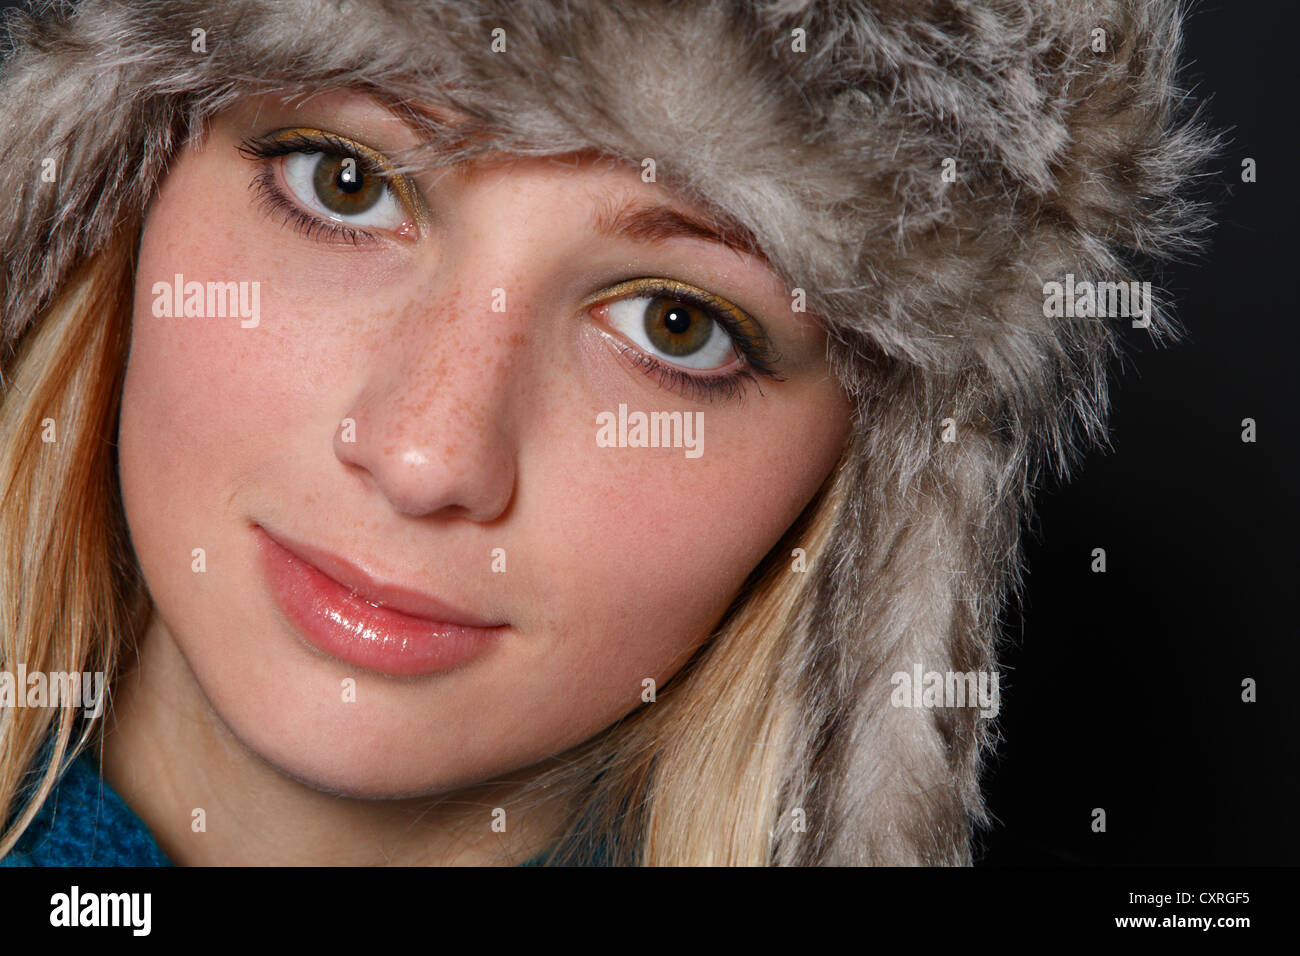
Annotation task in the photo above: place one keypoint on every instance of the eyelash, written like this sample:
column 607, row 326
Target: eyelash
column 698, row 388
column 756, row 354
column 272, row 198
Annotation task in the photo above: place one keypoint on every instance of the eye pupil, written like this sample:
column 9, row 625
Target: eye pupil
column 349, row 180
column 677, row 321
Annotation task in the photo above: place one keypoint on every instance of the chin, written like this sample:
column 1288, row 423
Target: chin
column 358, row 761
column 288, row 713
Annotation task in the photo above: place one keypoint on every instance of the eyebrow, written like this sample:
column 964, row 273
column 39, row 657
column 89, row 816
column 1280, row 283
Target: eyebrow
column 634, row 220
column 653, row 222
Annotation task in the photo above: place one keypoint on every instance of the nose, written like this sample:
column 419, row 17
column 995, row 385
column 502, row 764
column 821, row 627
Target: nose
column 434, row 426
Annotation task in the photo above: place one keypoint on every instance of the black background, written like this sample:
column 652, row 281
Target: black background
column 1123, row 690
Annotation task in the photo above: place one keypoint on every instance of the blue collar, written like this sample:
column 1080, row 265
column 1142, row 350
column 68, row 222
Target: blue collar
column 85, row 823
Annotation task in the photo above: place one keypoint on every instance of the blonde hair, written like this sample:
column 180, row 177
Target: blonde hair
column 70, row 595
column 72, row 600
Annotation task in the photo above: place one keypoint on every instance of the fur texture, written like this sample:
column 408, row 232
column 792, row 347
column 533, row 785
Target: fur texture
column 1068, row 161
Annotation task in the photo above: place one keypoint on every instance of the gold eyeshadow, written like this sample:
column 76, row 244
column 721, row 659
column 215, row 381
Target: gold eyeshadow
column 738, row 323
column 306, row 138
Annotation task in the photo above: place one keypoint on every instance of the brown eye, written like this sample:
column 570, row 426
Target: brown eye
column 676, row 328
column 668, row 328
column 345, row 188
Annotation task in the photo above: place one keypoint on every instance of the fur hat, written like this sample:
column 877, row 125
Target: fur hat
column 919, row 169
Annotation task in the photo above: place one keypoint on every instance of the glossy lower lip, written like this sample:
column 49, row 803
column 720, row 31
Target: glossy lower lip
column 341, row 623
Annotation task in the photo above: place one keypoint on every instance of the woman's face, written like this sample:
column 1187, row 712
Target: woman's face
column 426, row 556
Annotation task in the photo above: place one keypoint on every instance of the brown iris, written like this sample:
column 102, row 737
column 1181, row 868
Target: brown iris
column 675, row 327
column 344, row 187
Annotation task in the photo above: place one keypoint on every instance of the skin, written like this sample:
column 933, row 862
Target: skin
column 475, row 430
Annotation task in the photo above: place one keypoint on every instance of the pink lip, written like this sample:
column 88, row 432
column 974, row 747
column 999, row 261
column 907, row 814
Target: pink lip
column 348, row 614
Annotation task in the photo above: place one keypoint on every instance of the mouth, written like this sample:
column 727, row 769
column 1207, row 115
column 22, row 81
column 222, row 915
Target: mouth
column 349, row 614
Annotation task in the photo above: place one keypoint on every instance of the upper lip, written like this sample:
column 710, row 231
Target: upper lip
column 370, row 589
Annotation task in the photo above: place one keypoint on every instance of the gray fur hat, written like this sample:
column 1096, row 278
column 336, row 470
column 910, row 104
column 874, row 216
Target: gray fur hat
column 919, row 169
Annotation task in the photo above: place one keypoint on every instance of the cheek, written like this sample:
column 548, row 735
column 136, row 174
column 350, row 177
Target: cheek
column 646, row 549
column 186, row 404
column 206, row 399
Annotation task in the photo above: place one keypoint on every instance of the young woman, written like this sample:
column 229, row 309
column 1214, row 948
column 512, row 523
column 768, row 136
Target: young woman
column 488, row 433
